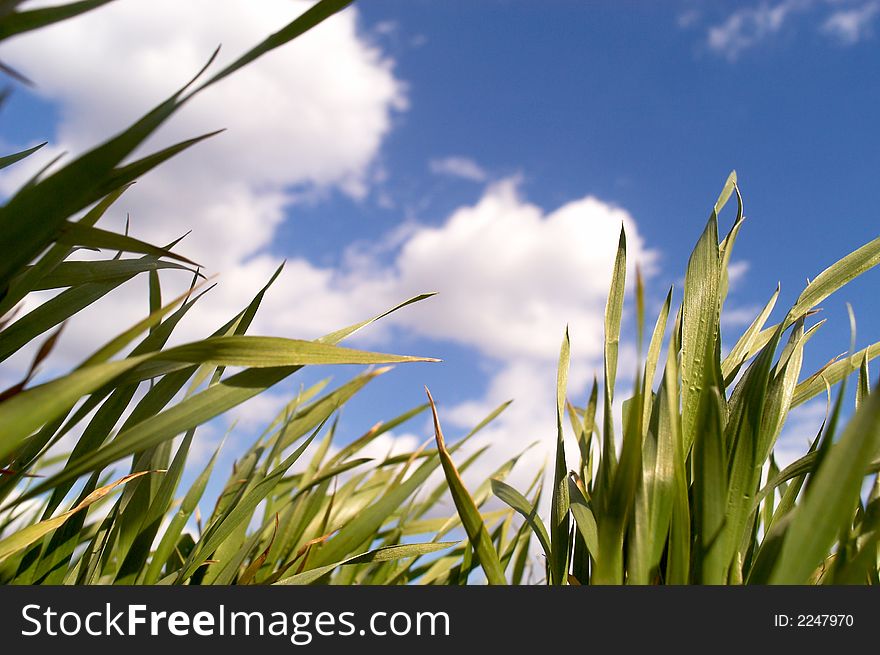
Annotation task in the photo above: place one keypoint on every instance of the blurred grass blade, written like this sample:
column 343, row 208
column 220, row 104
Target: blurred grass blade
column 75, row 273
column 127, row 174
column 88, row 236
column 9, row 160
column 863, row 389
column 24, row 21
column 27, row 281
column 314, row 15
column 34, row 216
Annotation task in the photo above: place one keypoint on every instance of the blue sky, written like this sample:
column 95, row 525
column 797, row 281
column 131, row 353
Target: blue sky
column 430, row 117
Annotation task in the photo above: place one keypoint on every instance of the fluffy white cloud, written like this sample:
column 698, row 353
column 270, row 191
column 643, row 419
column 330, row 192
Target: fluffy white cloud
column 510, row 275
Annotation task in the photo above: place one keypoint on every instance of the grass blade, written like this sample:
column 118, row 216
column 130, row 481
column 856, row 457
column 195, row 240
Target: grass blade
column 467, row 510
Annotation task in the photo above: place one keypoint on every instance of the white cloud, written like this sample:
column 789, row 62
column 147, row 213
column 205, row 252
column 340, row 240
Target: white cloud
column 462, row 167
column 749, row 26
column 511, row 275
column 801, row 427
column 254, row 415
column 733, row 317
column 849, row 22
column 386, row 27
column 849, row 26
column 736, row 272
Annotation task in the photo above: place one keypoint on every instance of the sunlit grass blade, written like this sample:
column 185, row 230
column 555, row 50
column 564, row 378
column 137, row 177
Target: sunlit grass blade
column 136, row 535
column 584, row 519
column 467, row 510
column 270, row 360
column 744, row 454
column 521, row 505
column 725, row 248
column 831, row 499
column 344, row 333
column 699, row 328
column 653, row 357
column 834, row 277
column 241, row 511
column 833, row 373
column 710, row 491
column 366, row 521
column 89, row 236
column 172, row 533
column 559, row 516
column 375, row 432
column 384, row 554
column 743, row 348
column 613, row 316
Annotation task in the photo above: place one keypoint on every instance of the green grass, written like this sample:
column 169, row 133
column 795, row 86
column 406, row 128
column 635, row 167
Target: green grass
column 692, row 493
column 689, row 493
